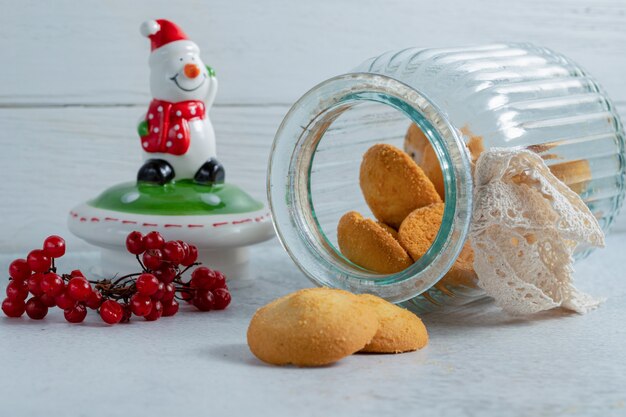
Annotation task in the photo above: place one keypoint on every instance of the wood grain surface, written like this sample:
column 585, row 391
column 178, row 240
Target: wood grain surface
column 75, row 77
column 73, row 82
column 273, row 51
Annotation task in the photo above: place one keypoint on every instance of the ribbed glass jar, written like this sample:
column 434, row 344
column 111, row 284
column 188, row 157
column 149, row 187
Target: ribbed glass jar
column 503, row 95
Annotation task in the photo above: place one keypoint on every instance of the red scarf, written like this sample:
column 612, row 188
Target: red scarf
column 168, row 125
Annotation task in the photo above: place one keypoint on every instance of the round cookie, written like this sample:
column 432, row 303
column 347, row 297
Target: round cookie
column 415, row 142
column 419, row 229
column 370, row 245
column 432, row 169
column 393, row 185
column 393, row 232
column 418, row 232
column 399, row 329
column 311, row 327
column 462, row 272
column 421, row 151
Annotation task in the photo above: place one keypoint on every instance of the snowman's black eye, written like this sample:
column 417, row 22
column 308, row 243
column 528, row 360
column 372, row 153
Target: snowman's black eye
column 181, row 59
column 193, row 59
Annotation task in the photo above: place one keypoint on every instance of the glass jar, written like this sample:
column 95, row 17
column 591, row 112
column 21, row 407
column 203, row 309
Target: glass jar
column 504, row 95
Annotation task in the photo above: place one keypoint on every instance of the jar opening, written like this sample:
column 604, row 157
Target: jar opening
column 324, row 135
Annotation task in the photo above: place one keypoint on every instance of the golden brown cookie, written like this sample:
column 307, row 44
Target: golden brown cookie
column 399, row 330
column 462, row 272
column 432, row 168
column 415, row 142
column 421, row 151
column 393, row 185
column 370, row 245
column 311, row 327
column 393, row 232
column 575, row 174
column 418, row 232
column 419, row 229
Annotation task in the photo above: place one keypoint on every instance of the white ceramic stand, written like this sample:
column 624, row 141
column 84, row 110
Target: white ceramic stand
column 232, row 262
column 222, row 240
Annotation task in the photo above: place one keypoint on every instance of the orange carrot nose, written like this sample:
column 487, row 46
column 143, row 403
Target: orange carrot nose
column 191, row 70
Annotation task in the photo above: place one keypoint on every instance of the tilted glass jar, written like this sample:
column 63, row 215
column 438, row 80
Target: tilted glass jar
column 506, row 95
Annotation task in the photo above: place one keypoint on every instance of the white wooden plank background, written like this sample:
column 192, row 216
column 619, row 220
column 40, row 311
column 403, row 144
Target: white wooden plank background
column 74, row 77
column 73, row 81
column 272, row 51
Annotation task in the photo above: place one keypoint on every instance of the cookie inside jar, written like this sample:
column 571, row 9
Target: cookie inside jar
column 377, row 191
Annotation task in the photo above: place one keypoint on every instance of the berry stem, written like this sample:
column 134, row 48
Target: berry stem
column 187, row 269
column 143, row 267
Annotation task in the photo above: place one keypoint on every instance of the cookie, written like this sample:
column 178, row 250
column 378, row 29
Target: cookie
column 462, row 273
column 311, row 327
column 415, row 142
column 393, row 185
column 393, row 232
column 432, row 169
column 418, row 232
column 575, row 174
column 399, row 330
column 421, row 151
column 370, row 245
column 419, row 229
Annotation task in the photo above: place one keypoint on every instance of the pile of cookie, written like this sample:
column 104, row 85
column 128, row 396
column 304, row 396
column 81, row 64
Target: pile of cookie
column 407, row 201
column 319, row 326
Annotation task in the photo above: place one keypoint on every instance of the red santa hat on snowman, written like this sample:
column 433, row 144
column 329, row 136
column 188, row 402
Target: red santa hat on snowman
column 166, row 38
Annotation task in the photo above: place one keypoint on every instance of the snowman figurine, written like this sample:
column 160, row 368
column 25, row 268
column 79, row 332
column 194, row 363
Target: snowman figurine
column 176, row 134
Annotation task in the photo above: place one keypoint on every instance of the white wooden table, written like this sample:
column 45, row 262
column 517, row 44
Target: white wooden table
column 73, row 83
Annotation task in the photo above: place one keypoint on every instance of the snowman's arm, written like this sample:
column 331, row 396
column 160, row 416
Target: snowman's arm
column 142, row 126
column 212, row 90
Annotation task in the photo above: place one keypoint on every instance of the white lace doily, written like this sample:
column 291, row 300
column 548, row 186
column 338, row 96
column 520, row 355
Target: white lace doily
column 526, row 224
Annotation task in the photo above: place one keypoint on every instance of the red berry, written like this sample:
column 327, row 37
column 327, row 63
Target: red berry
column 191, row 257
column 159, row 294
column 220, row 281
column 95, row 300
column 111, row 312
column 134, row 243
column 184, row 245
column 38, row 261
column 75, row 314
column 168, row 293
column 170, row 308
column 34, row 284
column 147, row 284
column 64, row 301
column 52, row 284
column 48, row 300
column 54, row 246
column 77, row 273
column 204, row 300
column 165, row 274
column 36, row 309
column 153, row 240
column 13, row 308
column 173, row 252
column 202, row 278
column 152, row 259
column 126, row 313
column 187, row 294
column 17, row 290
column 156, row 312
column 79, row 289
column 140, row 304
column 221, row 298
column 19, row 269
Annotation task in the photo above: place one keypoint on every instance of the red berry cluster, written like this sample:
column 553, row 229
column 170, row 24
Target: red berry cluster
column 151, row 294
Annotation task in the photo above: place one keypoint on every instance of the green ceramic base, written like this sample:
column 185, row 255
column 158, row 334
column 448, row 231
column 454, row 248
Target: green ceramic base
column 180, row 198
